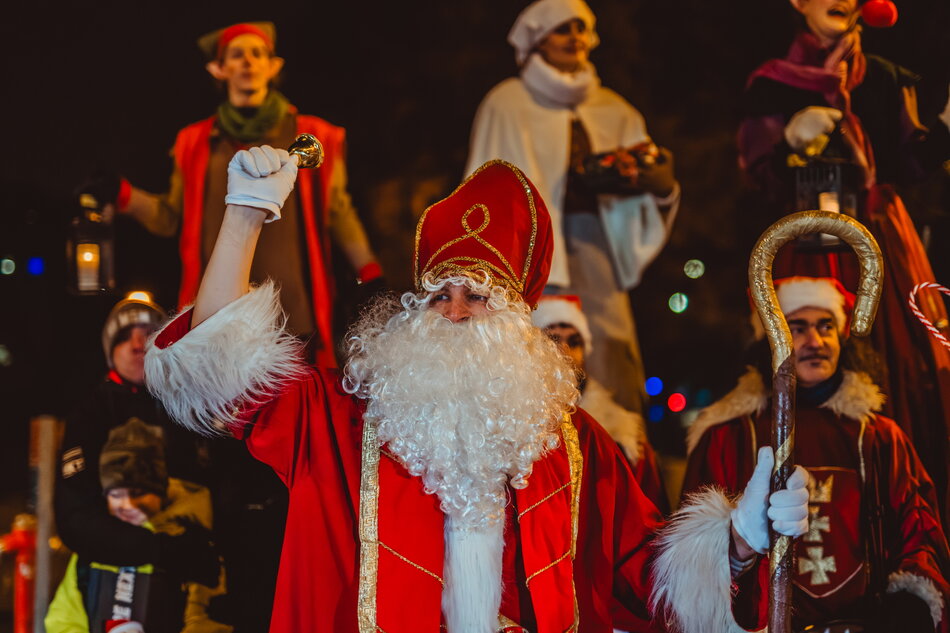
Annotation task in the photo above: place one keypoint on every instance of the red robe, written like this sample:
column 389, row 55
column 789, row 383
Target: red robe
column 885, row 137
column 844, row 456
column 192, row 149
column 363, row 547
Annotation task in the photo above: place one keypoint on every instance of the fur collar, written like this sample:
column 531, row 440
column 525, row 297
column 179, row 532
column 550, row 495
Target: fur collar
column 625, row 427
column 857, row 398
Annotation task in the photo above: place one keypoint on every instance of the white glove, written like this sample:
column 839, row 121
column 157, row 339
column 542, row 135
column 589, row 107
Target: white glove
column 787, row 508
column 807, row 125
column 261, row 177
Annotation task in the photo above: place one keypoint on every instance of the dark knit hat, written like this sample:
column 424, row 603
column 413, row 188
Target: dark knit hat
column 134, row 457
column 137, row 308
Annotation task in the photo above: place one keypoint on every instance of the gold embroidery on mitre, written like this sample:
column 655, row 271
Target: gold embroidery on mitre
column 818, row 565
column 510, row 277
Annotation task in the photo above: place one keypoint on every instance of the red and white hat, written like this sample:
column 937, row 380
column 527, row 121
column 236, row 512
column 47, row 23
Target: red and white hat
column 495, row 222
column 827, row 293
column 554, row 309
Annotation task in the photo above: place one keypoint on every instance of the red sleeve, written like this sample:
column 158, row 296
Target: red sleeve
column 723, row 458
column 914, row 537
column 647, row 474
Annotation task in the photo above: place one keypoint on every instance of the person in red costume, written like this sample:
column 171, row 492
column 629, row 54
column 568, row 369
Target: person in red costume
column 561, row 318
column 296, row 253
column 875, row 553
column 862, row 109
column 445, row 477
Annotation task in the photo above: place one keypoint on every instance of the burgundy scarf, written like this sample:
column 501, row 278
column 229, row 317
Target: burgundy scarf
column 834, row 73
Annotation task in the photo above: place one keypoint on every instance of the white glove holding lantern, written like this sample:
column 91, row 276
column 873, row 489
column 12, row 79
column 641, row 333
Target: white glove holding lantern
column 806, row 126
column 261, row 177
column 787, row 508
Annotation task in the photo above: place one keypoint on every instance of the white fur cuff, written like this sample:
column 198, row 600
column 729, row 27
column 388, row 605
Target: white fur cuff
column 691, row 574
column 919, row 586
column 237, row 358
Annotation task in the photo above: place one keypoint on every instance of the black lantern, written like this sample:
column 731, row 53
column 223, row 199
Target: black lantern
column 89, row 249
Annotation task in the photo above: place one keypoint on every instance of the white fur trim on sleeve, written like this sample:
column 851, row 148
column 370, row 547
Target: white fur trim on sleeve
column 691, row 575
column 238, row 357
column 921, row 587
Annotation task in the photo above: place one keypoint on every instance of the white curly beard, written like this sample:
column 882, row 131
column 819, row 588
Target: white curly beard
column 468, row 407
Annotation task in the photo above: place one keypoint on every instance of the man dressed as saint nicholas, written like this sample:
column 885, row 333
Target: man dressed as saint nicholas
column 445, row 478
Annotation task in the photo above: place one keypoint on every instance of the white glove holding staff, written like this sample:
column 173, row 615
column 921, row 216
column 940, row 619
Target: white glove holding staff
column 788, row 509
column 261, row 177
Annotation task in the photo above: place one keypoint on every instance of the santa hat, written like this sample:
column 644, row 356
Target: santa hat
column 827, row 293
column 554, row 309
column 136, row 309
column 134, row 457
column 213, row 44
column 496, row 223
column 540, row 18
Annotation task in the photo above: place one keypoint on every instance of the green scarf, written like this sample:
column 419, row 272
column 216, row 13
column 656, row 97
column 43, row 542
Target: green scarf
column 253, row 128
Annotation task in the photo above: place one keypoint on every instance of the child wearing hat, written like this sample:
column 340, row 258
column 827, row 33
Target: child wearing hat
column 94, row 597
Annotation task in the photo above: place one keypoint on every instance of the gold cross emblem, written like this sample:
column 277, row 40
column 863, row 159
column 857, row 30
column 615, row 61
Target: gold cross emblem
column 820, row 491
column 816, row 525
column 818, row 565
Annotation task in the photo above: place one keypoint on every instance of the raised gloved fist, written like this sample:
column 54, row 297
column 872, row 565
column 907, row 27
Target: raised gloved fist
column 787, row 508
column 807, row 125
column 261, row 177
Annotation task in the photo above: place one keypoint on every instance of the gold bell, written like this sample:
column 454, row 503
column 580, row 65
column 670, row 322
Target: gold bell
column 308, row 150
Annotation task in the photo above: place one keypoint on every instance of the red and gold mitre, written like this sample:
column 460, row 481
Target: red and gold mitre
column 494, row 222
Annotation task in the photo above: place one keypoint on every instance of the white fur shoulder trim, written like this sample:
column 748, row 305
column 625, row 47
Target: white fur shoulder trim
column 921, row 587
column 626, row 427
column 749, row 396
column 239, row 357
column 691, row 574
column 857, row 397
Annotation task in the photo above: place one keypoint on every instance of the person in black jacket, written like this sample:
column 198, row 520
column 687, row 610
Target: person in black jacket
column 82, row 515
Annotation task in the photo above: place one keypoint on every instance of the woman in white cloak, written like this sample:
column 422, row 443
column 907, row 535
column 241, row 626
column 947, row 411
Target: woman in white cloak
column 548, row 121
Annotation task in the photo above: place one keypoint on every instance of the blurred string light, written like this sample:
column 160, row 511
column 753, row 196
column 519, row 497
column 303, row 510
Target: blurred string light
column 694, row 268
column 655, row 413
column 678, row 302
column 35, row 266
column 6, row 358
column 676, row 402
column 7, row 266
column 654, row 386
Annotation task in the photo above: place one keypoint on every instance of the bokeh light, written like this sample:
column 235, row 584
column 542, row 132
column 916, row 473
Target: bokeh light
column 656, row 413
column 703, row 397
column 694, row 268
column 678, row 302
column 654, row 386
column 6, row 358
column 676, row 402
column 35, row 266
column 139, row 295
column 7, row 266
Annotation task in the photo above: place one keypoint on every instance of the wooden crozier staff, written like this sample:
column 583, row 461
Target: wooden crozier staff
column 783, row 361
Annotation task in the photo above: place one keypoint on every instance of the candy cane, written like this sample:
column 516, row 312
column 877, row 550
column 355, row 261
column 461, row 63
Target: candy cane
column 912, row 301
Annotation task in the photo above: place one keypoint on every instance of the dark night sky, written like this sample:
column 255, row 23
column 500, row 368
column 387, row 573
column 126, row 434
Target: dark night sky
column 109, row 83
